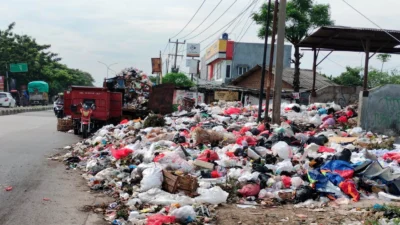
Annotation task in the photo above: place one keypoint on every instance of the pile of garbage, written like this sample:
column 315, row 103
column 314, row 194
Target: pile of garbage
column 135, row 86
column 175, row 169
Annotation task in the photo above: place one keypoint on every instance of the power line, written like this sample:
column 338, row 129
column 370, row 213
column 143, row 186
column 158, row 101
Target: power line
column 230, row 23
column 190, row 19
column 214, row 21
column 246, row 30
column 239, row 21
column 202, row 21
column 371, row 21
column 244, row 26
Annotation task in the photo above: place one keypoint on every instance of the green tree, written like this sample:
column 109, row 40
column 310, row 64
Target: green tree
column 42, row 63
column 179, row 79
column 384, row 58
column 302, row 17
column 351, row 77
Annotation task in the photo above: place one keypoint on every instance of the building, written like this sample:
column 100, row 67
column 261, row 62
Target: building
column 226, row 60
column 251, row 79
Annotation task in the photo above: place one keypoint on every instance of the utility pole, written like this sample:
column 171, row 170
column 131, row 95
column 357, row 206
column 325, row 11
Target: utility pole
column 276, row 116
column 107, row 66
column 271, row 59
column 160, row 74
column 177, row 43
column 261, row 96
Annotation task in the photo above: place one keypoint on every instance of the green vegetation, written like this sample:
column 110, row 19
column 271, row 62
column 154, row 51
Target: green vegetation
column 43, row 64
column 179, row 79
column 302, row 17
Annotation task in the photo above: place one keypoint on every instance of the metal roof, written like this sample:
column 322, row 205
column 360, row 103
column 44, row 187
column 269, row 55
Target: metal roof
column 352, row 39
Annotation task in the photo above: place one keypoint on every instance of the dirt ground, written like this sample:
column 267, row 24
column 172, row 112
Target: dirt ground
column 354, row 213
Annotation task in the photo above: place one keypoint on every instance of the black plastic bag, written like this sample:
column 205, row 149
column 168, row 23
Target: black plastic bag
column 303, row 193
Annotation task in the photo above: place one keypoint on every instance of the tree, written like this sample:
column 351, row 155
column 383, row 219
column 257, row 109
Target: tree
column 384, row 58
column 42, row 63
column 302, row 17
column 351, row 77
column 179, row 79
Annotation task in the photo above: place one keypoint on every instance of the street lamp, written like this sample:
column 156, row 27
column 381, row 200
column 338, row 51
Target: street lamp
column 107, row 66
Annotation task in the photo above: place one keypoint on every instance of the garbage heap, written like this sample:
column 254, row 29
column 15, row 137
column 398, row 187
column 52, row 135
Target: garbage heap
column 135, row 86
column 173, row 169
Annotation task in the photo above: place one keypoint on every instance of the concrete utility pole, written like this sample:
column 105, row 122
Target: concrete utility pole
column 271, row 59
column 177, row 43
column 261, row 96
column 276, row 116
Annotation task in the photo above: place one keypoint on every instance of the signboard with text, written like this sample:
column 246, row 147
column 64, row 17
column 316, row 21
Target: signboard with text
column 156, row 65
column 226, row 95
column 193, row 50
column 19, row 67
column 218, row 47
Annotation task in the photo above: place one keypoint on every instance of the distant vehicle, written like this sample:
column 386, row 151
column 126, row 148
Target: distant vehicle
column 15, row 94
column 59, row 106
column 6, row 100
column 38, row 93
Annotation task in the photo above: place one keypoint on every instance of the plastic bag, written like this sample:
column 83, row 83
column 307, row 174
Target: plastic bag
column 250, row 190
column 159, row 197
column 262, row 151
column 159, row 219
column 213, row 195
column 208, row 156
column 316, row 120
column 252, row 154
column 247, row 176
column 120, row 153
column 287, row 182
column 251, row 141
column 185, row 214
column 283, row 150
column 296, row 182
column 152, row 178
column 234, row 173
column 231, row 111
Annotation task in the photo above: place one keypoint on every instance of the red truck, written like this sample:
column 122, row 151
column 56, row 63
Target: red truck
column 91, row 108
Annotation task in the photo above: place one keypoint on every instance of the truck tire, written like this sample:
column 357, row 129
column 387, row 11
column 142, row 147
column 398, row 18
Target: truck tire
column 85, row 132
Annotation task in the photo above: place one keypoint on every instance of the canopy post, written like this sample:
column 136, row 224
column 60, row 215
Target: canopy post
column 367, row 51
column 313, row 92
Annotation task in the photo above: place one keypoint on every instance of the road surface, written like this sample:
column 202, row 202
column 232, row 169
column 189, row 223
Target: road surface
column 26, row 141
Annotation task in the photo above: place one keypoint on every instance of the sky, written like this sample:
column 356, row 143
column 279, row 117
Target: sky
column 130, row 32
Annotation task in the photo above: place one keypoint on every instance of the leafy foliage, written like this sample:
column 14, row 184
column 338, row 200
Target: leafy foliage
column 384, row 58
column 302, row 17
column 42, row 63
column 179, row 79
column 351, row 77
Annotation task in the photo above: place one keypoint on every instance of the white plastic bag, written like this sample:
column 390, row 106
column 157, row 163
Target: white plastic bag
column 213, row 195
column 262, row 151
column 247, row 176
column 152, row 178
column 185, row 213
column 234, row 173
column 283, row 150
column 316, row 120
column 296, row 182
column 159, row 197
column 285, row 165
column 132, row 202
column 252, row 154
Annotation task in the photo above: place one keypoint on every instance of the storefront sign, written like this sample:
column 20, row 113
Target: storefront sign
column 226, row 95
column 193, row 50
column 218, row 47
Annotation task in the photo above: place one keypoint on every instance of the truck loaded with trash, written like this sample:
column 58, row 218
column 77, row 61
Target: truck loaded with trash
column 175, row 169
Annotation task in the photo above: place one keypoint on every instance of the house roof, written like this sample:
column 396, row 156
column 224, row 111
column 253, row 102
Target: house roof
column 306, row 78
column 352, row 39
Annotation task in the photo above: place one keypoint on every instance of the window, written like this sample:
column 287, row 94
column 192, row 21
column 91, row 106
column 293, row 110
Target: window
column 218, row 71
column 228, row 71
column 242, row 70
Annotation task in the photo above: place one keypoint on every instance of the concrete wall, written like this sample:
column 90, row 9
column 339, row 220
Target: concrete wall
column 251, row 54
column 253, row 82
column 341, row 95
column 380, row 110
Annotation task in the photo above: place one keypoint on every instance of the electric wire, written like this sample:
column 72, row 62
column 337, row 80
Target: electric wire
column 190, row 19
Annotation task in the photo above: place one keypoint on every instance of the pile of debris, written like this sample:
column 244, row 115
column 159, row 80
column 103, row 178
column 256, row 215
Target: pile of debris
column 135, row 86
column 174, row 169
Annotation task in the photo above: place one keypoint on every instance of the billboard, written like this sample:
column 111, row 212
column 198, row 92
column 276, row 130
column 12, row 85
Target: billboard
column 1, row 83
column 156, row 65
column 193, row 50
column 218, row 47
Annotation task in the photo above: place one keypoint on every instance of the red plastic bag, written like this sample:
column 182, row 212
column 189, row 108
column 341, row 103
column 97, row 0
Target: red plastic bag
column 250, row 190
column 232, row 111
column 392, row 156
column 158, row 157
column 244, row 130
column 261, row 127
column 342, row 119
column 230, row 154
column 125, row 121
column 250, row 140
column 349, row 188
column 208, row 156
column 215, row 174
column 121, row 153
column 287, row 181
column 326, row 149
column 159, row 219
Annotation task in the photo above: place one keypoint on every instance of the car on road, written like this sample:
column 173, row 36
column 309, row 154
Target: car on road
column 6, row 100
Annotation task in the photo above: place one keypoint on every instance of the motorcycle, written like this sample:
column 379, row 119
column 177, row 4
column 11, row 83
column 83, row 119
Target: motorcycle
column 59, row 110
column 86, row 124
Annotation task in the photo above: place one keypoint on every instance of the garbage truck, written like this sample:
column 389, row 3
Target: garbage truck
column 38, row 93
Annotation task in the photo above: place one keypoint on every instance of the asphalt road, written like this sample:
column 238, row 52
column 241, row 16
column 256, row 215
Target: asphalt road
column 26, row 141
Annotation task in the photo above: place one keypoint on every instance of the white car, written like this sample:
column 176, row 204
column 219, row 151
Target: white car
column 6, row 100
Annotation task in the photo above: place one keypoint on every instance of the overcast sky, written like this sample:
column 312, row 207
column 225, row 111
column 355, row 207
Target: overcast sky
column 130, row 32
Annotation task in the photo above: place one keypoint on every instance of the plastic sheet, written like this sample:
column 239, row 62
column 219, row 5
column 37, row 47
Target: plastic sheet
column 213, row 195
